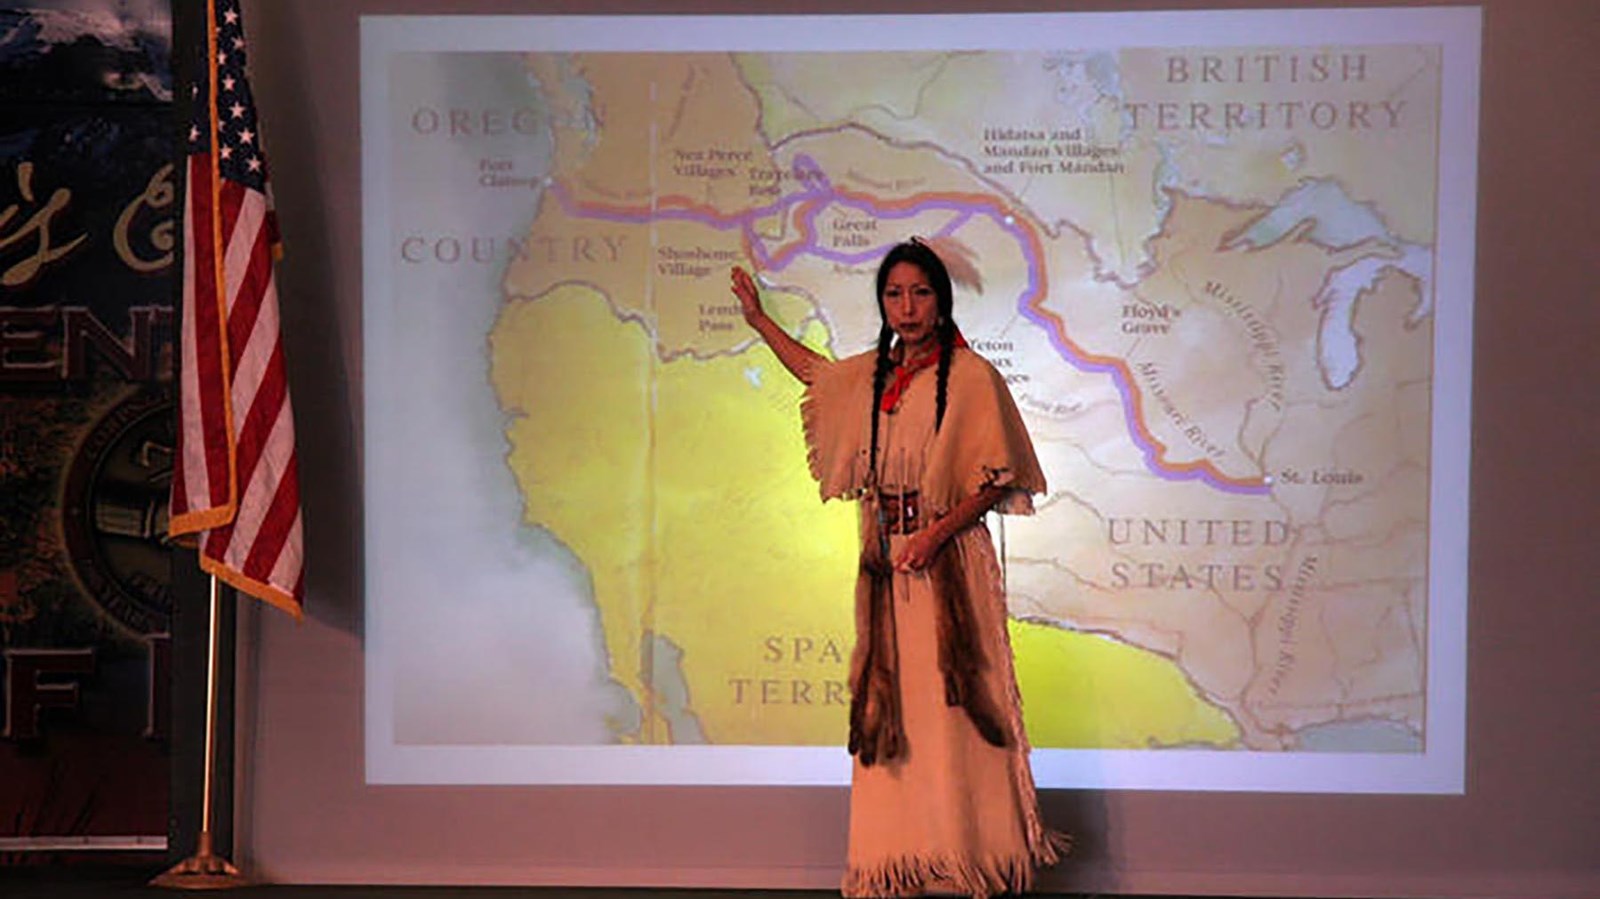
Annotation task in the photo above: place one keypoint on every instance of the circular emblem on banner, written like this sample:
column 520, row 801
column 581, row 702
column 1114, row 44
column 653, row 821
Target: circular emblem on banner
column 114, row 512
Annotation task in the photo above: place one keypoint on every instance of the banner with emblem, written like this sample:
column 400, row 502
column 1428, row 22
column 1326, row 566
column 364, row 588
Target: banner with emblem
column 88, row 230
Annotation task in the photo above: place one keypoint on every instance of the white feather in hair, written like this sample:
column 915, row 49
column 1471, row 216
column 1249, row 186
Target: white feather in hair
column 958, row 259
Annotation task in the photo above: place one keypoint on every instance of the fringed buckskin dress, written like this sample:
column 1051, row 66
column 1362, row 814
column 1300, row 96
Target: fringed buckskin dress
column 953, row 809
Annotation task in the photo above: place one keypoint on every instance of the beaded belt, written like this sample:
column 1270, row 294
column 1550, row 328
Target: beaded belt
column 902, row 512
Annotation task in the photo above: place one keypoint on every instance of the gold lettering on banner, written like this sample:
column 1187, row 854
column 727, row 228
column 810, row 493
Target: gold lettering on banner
column 38, row 224
column 158, row 194
column 64, row 342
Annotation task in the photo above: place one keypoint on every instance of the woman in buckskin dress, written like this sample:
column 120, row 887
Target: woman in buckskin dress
column 923, row 432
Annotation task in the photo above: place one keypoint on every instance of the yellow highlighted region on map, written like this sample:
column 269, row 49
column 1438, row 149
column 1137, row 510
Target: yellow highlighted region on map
column 1082, row 691
column 724, row 584
column 576, row 390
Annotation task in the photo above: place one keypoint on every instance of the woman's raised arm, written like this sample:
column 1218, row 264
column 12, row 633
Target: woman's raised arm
column 799, row 359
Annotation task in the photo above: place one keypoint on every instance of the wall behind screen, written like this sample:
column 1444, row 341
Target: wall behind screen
column 1527, row 825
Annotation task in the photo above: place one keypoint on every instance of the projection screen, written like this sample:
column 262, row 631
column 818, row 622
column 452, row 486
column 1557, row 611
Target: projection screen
column 1224, row 259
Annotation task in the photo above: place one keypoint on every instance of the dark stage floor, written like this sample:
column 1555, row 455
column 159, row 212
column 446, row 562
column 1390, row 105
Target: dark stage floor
column 81, row 881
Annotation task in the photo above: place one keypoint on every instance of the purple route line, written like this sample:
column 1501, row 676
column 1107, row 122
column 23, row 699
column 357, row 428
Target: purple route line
column 821, row 193
column 955, row 224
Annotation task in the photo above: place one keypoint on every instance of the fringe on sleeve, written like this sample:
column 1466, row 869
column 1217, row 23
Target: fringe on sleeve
column 834, row 413
column 982, row 442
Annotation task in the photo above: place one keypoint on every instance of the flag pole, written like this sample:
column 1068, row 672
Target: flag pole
column 205, row 870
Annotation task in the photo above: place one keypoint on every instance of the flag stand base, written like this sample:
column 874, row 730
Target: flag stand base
column 205, row 870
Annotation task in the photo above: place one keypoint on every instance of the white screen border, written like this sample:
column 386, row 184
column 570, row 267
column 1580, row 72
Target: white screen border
column 1438, row 769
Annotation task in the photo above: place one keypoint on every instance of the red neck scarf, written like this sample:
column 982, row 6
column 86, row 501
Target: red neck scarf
column 900, row 378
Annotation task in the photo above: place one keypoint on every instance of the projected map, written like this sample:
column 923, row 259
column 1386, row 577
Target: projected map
column 1207, row 274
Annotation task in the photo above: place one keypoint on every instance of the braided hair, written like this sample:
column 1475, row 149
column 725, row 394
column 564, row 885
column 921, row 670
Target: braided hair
column 920, row 255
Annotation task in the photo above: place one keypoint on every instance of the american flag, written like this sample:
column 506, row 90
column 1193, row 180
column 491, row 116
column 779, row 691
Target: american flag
column 235, row 482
